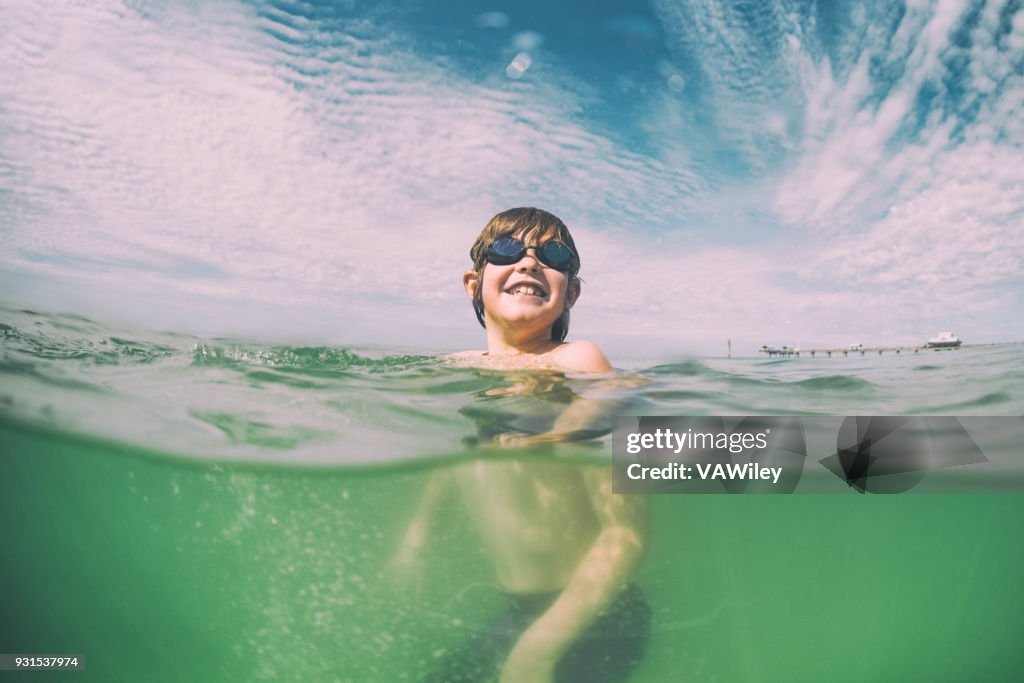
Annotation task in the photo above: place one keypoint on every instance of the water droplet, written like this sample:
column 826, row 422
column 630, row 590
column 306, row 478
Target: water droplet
column 518, row 66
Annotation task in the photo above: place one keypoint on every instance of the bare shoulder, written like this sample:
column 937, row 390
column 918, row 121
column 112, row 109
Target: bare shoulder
column 581, row 356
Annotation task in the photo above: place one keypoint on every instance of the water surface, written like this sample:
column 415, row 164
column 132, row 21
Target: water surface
column 184, row 508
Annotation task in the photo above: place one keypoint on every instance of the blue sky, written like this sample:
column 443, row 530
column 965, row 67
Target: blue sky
column 781, row 173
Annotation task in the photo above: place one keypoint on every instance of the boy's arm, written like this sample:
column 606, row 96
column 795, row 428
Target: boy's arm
column 587, row 416
column 603, row 572
column 405, row 566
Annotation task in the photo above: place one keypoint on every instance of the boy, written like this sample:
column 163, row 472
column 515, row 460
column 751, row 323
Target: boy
column 563, row 546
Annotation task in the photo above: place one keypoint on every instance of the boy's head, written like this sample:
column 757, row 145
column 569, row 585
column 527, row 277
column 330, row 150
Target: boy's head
column 559, row 287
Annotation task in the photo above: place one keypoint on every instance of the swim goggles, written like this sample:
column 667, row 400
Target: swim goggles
column 507, row 250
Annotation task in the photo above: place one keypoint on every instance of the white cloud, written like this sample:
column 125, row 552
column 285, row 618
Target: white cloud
column 886, row 229
column 931, row 218
column 267, row 158
column 337, row 175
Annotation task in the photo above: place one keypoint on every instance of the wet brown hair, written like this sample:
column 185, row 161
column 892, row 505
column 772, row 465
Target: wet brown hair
column 531, row 225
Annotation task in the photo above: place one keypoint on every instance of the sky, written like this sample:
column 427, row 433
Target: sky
column 800, row 173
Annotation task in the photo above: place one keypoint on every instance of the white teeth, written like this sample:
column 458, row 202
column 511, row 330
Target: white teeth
column 526, row 289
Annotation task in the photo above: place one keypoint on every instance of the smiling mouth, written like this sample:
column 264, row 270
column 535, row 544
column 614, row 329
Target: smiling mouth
column 526, row 290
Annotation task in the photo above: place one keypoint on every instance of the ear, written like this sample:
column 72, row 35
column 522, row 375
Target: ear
column 470, row 280
column 572, row 293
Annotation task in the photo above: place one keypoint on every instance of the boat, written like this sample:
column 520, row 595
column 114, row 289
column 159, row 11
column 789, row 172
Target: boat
column 944, row 340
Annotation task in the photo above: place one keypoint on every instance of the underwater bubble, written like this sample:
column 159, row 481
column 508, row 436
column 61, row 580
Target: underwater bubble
column 676, row 82
column 518, row 66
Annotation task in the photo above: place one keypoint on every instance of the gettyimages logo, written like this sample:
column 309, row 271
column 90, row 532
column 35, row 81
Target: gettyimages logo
column 708, row 454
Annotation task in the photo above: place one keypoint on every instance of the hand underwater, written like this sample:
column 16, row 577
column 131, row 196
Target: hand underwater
column 406, row 567
column 526, row 666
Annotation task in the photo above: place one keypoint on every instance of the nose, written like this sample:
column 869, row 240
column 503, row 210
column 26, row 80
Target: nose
column 529, row 260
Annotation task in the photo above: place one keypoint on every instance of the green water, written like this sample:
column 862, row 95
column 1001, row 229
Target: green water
column 179, row 515
column 168, row 572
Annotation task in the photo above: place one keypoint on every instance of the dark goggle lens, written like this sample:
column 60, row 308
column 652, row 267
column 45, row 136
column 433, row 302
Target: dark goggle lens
column 556, row 255
column 504, row 251
column 509, row 250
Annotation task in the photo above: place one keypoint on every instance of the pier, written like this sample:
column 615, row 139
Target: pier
column 787, row 352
